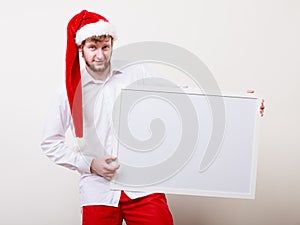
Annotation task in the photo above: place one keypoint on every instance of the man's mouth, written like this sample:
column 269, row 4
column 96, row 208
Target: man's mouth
column 99, row 62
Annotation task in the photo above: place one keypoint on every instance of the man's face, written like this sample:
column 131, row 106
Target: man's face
column 97, row 55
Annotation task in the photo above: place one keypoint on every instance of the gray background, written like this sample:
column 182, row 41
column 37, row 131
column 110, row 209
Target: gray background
column 246, row 44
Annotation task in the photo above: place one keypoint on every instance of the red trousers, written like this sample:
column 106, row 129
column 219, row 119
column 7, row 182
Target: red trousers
column 148, row 210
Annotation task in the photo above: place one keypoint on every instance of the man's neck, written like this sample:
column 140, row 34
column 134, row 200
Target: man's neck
column 101, row 75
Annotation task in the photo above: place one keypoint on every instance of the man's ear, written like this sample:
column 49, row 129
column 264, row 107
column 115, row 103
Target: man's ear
column 80, row 48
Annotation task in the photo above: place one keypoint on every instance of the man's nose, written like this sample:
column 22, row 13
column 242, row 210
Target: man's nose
column 99, row 53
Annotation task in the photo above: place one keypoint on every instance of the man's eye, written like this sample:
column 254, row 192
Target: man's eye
column 92, row 47
column 106, row 47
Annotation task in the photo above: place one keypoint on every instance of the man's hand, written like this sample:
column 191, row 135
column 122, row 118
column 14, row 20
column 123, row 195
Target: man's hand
column 262, row 106
column 103, row 167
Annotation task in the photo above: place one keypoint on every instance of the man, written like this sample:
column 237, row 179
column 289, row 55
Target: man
column 86, row 108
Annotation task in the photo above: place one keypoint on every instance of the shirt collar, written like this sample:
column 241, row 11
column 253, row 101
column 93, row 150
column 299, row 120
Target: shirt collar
column 86, row 78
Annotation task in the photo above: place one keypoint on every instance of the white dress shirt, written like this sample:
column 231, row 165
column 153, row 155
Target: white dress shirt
column 98, row 101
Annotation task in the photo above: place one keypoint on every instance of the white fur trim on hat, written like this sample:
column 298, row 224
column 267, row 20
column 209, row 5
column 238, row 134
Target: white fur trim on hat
column 99, row 28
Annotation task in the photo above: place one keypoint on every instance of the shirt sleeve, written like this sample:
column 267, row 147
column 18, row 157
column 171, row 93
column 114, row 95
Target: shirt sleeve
column 53, row 144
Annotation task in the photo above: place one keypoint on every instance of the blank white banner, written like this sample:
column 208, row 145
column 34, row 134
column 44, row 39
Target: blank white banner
column 186, row 142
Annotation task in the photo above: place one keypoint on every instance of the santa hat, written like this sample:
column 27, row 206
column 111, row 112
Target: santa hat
column 82, row 26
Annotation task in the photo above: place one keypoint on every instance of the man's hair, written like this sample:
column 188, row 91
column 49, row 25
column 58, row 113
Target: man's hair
column 97, row 38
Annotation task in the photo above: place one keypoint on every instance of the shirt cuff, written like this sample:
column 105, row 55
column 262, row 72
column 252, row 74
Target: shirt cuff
column 84, row 163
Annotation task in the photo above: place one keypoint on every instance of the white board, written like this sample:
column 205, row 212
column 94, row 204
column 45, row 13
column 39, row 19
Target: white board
column 186, row 143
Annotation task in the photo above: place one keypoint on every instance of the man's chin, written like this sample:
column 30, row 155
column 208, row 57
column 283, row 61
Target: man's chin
column 99, row 68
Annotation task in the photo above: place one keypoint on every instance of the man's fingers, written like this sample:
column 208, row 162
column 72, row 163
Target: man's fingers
column 262, row 107
column 262, row 104
column 111, row 168
column 111, row 164
column 110, row 159
column 109, row 175
column 105, row 167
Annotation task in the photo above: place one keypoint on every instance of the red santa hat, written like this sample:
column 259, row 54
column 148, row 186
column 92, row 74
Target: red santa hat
column 82, row 26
